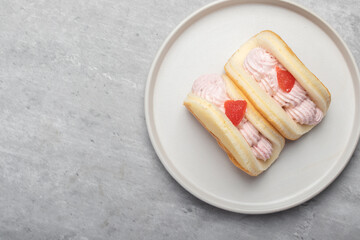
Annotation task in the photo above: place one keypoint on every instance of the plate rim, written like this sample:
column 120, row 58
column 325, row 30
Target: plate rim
column 308, row 192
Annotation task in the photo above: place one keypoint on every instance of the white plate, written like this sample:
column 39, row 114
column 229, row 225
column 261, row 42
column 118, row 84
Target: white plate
column 203, row 43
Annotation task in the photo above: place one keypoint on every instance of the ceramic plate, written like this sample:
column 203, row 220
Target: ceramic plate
column 203, row 43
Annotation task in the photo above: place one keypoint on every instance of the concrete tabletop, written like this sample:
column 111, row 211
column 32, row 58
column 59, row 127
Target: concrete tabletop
column 76, row 161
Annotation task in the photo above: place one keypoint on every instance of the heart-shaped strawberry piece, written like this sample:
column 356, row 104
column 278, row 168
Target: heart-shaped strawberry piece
column 235, row 110
column 286, row 80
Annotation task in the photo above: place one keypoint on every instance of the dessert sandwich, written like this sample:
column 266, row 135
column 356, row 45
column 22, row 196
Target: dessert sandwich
column 278, row 84
column 250, row 142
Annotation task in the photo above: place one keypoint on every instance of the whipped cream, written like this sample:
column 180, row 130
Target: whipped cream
column 212, row 88
column 262, row 66
column 260, row 146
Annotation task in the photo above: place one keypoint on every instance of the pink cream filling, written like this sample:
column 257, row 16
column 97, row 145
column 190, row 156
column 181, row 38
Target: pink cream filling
column 262, row 66
column 211, row 87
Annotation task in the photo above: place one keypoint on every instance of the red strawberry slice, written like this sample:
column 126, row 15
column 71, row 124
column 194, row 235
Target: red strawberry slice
column 235, row 110
column 286, row 81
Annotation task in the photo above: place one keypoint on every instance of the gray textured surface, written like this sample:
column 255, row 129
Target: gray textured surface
column 75, row 158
